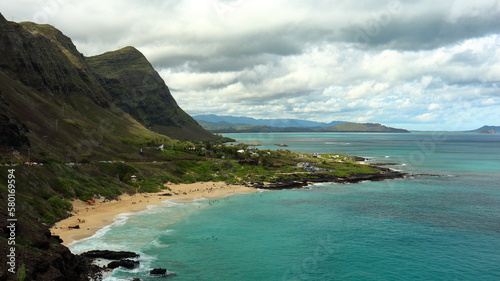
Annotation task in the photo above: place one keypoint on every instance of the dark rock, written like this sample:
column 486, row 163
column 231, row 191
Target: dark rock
column 58, row 239
column 158, row 271
column 109, row 255
column 126, row 263
column 161, row 272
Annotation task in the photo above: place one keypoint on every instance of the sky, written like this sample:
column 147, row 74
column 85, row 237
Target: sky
column 419, row 65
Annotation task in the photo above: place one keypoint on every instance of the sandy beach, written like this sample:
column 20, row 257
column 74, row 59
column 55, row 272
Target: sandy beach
column 92, row 217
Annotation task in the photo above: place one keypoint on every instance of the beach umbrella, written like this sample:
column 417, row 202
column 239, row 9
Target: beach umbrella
column 90, row 201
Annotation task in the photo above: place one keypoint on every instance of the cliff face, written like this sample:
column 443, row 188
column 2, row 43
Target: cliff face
column 42, row 58
column 140, row 91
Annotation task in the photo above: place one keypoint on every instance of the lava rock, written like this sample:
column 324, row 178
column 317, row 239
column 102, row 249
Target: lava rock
column 126, row 263
column 158, row 271
column 109, row 255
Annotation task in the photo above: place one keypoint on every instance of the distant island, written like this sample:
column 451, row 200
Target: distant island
column 232, row 124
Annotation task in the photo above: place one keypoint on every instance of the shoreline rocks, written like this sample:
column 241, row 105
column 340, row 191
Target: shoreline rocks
column 109, row 255
column 302, row 181
column 125, row 263
column 161, row 272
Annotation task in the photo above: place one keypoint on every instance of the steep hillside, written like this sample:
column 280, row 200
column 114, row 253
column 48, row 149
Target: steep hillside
column 42, row 58
column 140, row 91
column 54, row 106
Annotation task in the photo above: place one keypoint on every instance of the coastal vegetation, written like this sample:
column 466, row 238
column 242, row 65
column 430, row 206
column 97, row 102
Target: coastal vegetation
column 182, row 162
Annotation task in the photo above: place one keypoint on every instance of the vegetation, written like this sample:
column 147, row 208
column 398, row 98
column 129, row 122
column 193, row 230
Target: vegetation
column 179, row 162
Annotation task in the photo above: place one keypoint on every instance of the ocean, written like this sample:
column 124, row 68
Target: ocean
column 443, row 224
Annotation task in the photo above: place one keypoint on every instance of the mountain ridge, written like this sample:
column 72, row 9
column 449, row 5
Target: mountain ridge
column 223, row 124
column 282, row 122
column 137, row 88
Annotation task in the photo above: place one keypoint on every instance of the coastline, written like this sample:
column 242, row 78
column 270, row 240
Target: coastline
column 92, row 218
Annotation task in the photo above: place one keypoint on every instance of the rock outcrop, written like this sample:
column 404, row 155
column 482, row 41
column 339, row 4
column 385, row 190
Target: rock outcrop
column 109, row 255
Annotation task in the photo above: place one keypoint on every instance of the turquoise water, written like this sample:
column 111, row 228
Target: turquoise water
column 421, row 228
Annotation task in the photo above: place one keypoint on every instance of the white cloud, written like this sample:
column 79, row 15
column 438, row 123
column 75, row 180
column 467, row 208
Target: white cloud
column 425, row 118
column 433, row 106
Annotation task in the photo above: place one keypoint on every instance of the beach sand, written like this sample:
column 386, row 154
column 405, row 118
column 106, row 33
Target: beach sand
column 91, row 218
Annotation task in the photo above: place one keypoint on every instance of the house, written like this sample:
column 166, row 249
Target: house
column 133, row 178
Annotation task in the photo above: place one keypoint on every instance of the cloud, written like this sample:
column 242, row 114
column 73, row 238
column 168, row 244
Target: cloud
column 413, row 64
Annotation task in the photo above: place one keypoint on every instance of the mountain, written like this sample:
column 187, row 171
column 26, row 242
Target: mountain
column 487, row 129
column 55, row 100
column 362, row 127
column 139, row 90
column 231, row 124
column 232, row 121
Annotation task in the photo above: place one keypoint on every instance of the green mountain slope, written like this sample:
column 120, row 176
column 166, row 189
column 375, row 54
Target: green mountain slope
column 52, row 105
column 140, row 91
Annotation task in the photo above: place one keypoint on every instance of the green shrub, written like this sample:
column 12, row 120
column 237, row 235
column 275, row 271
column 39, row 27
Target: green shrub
column 59, row 203
column 21, row 273
column 48, row 218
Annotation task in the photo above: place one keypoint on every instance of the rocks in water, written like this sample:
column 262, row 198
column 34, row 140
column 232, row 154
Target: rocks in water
column 161, row 272
column 126, row 263
column 109, row 255
column 158, row 271
column 359, row 159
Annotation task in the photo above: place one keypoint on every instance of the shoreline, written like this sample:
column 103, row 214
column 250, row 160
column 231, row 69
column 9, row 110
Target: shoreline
column 92, row 218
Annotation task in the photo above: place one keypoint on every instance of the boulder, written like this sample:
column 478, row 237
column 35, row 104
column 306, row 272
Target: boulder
column 126, row 263
column 158, row 271
column 109, row 255
column 161, row 272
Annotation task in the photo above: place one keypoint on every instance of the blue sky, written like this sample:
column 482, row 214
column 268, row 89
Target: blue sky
column 413, row 64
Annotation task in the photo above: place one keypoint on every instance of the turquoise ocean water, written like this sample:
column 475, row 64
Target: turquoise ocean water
column 421, row 228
